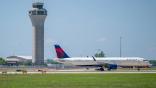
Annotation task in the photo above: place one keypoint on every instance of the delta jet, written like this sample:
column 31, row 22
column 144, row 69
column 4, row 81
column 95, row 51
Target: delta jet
column 101, row 63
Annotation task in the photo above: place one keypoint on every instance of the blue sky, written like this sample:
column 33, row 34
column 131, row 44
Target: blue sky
column 82, row 27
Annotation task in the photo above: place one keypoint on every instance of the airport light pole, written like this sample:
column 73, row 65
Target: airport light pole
column 120, row 46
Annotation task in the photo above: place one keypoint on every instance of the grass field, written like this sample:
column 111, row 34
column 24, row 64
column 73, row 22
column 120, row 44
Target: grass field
column 78, row 81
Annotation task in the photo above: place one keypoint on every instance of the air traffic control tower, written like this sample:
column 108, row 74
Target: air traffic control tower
column 37, row 15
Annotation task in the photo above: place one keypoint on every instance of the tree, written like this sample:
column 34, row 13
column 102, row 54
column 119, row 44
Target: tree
column 2, row 61
column 153, row 62
column 27, row 63
column 100, row 54
column 52, row 61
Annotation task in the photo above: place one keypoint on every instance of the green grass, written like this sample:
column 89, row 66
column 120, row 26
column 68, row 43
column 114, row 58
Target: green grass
column 78, row 81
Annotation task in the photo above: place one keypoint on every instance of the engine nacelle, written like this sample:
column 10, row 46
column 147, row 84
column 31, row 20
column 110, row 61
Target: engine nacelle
column 111, row 66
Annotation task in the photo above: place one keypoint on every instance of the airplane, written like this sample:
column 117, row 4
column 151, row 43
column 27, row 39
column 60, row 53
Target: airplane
column 101, row 63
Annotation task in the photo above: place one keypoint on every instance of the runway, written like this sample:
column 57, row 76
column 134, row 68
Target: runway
column 79, row 72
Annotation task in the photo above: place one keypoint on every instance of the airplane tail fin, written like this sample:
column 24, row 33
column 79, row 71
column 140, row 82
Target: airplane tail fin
column 60, row 52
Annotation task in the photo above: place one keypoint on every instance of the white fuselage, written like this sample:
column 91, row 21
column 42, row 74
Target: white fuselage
column 119, row 61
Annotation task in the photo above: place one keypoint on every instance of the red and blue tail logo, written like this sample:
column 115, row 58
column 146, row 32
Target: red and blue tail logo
column 60, row 52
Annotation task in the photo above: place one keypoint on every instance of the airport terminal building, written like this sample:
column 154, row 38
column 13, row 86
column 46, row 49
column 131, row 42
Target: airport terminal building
column 15, row 60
